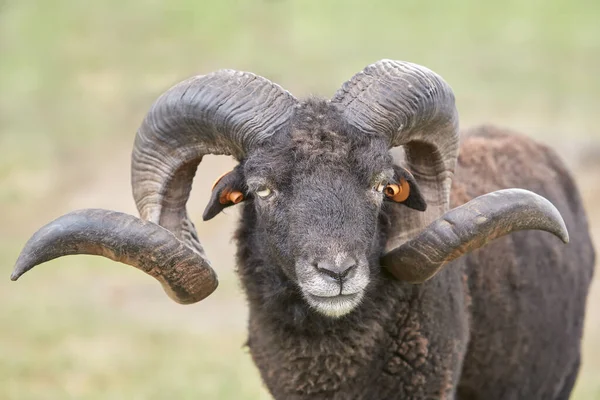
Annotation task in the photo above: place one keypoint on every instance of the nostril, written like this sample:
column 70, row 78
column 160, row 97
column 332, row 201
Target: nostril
column 338, row 271
column 348, row 271
column 329, row 273
column 327, row 268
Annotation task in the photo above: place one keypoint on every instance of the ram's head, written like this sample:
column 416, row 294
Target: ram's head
column 319, row 176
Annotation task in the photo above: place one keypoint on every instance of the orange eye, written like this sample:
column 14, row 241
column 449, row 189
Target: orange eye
column 398, row 192
column 392, row 190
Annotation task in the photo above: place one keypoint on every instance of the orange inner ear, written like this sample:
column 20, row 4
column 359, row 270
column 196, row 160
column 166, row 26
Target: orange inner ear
column 228, row 196
column 398, row 193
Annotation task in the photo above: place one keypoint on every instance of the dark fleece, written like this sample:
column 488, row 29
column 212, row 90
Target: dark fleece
column 504, row 322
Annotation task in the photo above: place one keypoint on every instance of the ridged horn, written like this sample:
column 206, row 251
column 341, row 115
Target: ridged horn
column 184, row 274
column 226, row 112
column 469, row 227
column 412, row 107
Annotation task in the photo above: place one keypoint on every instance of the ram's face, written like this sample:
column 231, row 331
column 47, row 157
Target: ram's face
column 319, row 218
column 318, row 192
column 320, row 225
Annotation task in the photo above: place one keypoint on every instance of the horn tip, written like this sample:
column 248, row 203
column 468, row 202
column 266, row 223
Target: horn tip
column 560, row 229
column 23, row 264
column 15, row 275
column 564, row 236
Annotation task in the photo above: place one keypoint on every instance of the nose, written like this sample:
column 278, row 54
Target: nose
column 340, row 270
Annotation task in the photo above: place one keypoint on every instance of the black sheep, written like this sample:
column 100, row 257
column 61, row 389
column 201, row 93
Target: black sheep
column 327, row 207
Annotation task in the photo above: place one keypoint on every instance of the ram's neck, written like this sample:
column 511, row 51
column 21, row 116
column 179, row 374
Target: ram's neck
column 296, row 349
column 388, row 342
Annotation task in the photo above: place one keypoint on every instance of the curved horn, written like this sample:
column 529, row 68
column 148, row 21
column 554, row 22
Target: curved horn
column 414, row 107
column 184, row 274
column 226, row 112
column 470, row 227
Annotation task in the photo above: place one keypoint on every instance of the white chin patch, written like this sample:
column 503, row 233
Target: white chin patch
column 334, row 307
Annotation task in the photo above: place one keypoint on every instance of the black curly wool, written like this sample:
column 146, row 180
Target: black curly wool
column 485, row 327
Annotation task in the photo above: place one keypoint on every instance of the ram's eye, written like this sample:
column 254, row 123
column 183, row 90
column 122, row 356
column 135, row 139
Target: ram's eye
column 264, row 192
column 379, row 187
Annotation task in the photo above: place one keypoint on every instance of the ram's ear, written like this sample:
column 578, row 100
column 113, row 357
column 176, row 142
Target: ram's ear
column 404, row 190
column 228, row 190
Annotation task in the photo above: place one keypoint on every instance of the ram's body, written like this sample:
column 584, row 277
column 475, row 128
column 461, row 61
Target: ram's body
column 351, row 264
column 504, row 322
column 528, row 301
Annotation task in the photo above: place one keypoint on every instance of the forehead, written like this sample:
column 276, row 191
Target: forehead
column 318, row 130
column 318, row 139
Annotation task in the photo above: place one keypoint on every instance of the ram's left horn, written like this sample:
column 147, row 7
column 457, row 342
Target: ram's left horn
column 469, row 227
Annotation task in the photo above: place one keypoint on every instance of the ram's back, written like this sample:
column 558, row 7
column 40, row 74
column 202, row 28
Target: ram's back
column 527, row 290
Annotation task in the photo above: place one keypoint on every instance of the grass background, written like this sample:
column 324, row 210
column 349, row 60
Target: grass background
column 76, row 78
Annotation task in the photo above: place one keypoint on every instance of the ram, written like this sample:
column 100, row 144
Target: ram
column 351, row 261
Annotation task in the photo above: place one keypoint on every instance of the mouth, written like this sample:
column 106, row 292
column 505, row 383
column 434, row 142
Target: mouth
column 334, row 306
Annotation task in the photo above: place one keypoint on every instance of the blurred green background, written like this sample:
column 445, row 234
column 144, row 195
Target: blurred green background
column 76, row 78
